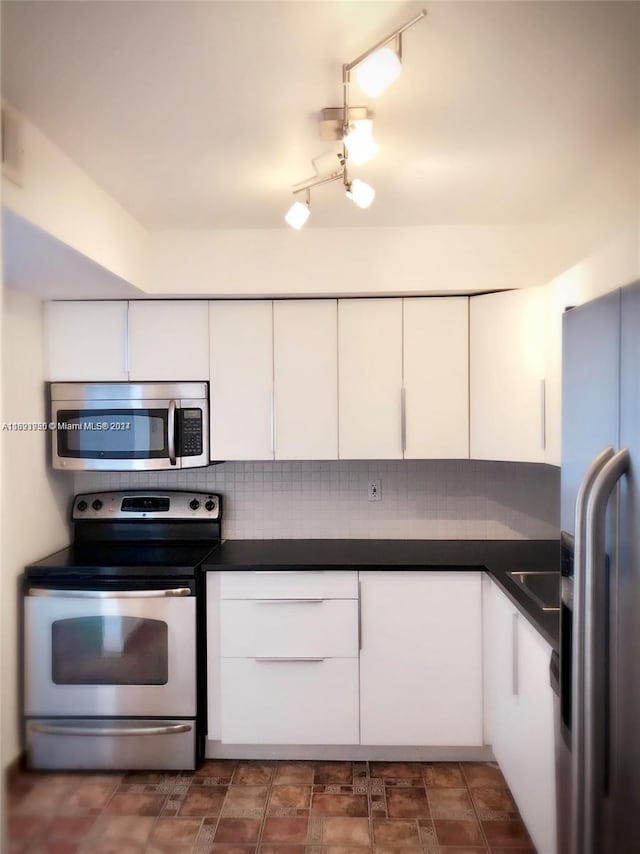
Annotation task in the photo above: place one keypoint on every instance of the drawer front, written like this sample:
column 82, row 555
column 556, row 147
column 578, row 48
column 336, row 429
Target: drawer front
column 290, row 702
column 114, row 745
column 296, row 627
column 305, row 584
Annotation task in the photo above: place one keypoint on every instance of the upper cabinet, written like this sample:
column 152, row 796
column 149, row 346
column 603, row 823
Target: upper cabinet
column 507, row 383
column 436, row 378
column 370, row 378
column 117, row 341
column 404, row 378
column 241, row 375
column 305, row 371
column 86, row 341
column 168, row 340
column 326, row 379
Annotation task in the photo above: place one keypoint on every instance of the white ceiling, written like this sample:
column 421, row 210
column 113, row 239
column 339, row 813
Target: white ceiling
column 203, row 114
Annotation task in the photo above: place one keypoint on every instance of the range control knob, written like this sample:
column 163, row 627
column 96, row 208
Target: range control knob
column 97, row 504
column 210, row 505
column 82, row 505
column 194, row 504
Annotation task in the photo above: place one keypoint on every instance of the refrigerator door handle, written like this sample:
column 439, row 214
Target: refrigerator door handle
column 577, row 645
column 595, row 644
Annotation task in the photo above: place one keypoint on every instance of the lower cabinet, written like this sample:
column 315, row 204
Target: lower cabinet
column 519, row 706
column 287, row 657
column 421, row 658
column 290, row 700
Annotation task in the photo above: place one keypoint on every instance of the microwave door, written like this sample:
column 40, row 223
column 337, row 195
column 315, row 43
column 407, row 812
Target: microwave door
column 115, row 435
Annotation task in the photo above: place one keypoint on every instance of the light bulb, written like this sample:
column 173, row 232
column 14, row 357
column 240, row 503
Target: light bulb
column 361, row 194
column 297, row 215
column 359, row 141
column 378, row 71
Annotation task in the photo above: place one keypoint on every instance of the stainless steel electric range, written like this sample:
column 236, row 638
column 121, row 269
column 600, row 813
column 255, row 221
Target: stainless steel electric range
column 114, row 647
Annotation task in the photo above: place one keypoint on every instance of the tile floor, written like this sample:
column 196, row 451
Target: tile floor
column 270, row 808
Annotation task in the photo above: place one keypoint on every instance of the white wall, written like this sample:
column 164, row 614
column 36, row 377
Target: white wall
column 48, row 190
column 35, row 500
column 349, row 262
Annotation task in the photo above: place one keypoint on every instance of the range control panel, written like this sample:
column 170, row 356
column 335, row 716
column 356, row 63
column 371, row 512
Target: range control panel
column 147, row 504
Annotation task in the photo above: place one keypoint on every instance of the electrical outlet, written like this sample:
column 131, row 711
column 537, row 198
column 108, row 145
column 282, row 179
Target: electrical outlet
column 374, row 492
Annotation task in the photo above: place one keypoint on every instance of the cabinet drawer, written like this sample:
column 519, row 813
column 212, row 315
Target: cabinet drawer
column 290, row 702
column 297, row 627
column 289, row 584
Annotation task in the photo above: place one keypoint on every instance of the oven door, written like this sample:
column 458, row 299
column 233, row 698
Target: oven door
column 110, row 653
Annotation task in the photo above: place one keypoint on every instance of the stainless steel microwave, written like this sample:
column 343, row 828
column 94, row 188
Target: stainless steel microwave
column 129, row 426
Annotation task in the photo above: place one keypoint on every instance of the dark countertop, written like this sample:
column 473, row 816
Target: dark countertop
column 497, row 557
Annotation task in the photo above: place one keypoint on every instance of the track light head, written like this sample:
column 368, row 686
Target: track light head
column 298, row 214
column 378, row 71
column 359, row 141
column 360, row 193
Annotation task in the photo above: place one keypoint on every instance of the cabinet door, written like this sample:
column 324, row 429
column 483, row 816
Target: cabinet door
column 421, row 658
column 241, row 376
column 507, row 412
column 305, row 361
column 436, row 377
column 86, row 341
column 370, row 378
column 522, row 724
column 168, row 340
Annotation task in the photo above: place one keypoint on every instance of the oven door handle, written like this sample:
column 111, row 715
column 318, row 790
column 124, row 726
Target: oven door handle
column 61, row 729
column 110, row 594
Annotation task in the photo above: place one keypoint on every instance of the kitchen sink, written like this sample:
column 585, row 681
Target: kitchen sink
column 542, row 587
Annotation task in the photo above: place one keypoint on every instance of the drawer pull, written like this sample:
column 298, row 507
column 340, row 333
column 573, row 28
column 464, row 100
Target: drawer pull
column 288, row 659
column 285, row 601
column 285, row 571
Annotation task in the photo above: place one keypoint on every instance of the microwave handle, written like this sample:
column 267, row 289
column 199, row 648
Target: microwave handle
column 171, row 432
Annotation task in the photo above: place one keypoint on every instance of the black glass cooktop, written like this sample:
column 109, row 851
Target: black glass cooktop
column 117, row 559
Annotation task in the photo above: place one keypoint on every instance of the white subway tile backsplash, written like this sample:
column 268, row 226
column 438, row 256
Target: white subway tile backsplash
column 421, row 499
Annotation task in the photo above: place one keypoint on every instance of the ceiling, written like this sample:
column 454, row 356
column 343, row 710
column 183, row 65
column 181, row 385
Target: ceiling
column 203, row 114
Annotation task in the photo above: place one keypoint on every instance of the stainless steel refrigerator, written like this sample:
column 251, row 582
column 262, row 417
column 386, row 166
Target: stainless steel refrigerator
column 598, row 721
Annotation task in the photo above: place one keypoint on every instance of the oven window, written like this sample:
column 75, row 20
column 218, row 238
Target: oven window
column 109, row 650
column 112, row 434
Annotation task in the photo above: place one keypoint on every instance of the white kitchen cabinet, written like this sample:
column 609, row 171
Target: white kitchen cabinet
column 241, row 377
column 436, row 377
column 168, row 340
column 305, row 362
column 370, row 378
column 86, row 341
column 290, row 584
column 519, row 701
column 288, row 701
column 507, row 376
column 302, row 628
column 421, row 658
column 283, row 657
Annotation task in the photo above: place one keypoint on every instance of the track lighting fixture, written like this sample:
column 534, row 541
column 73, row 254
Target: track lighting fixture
column 375, row 70
column 361, row 194
column 359, row 141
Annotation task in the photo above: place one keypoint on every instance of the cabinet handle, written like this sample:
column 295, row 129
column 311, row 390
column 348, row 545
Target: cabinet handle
column 403, row 418
column 543, row 414
column 273, row 422
column 359, row 614
column 515, row 670
column 285, row 571
column 285, row 601
column 287, row 660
